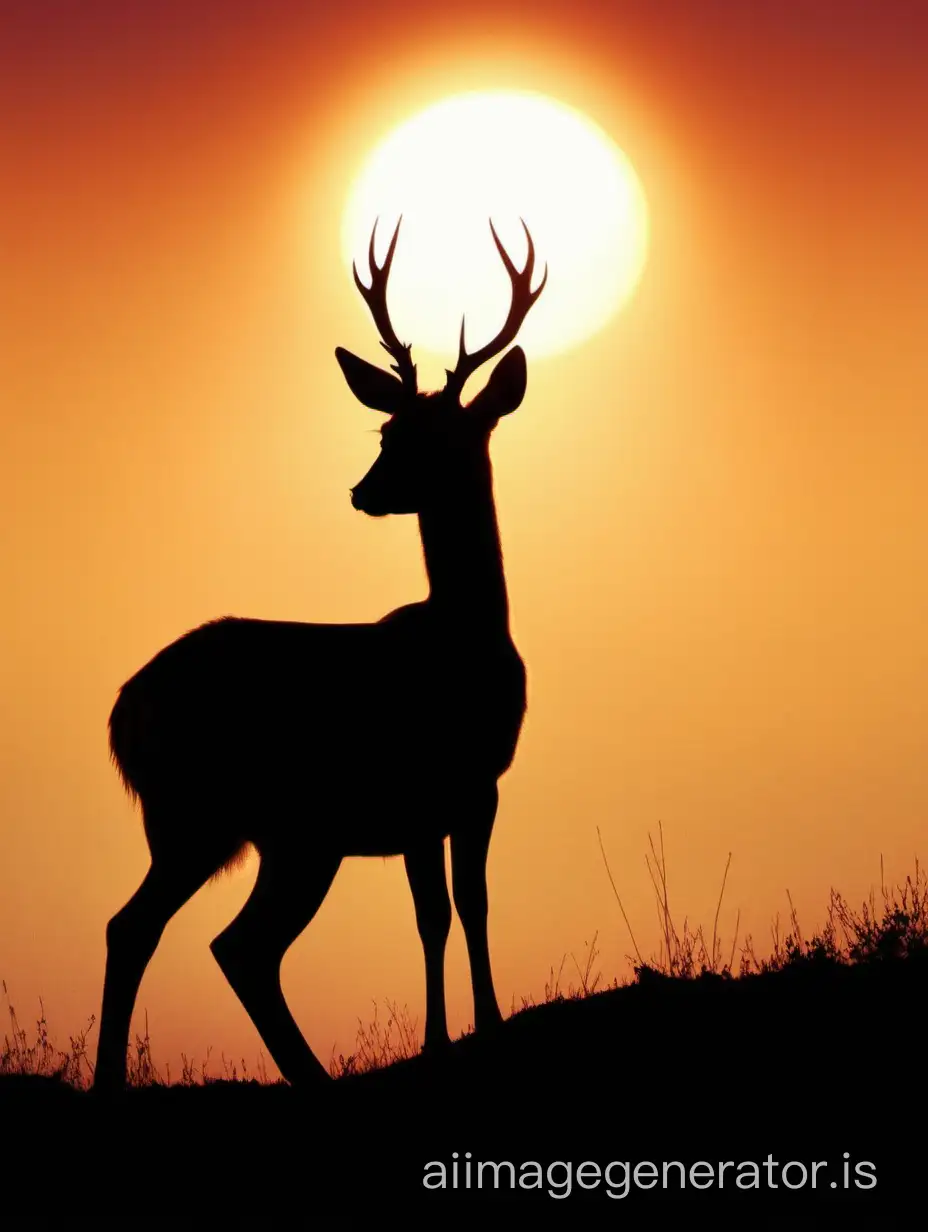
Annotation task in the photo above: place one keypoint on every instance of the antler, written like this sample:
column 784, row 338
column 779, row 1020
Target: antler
column 375, row 296
column 522, row 299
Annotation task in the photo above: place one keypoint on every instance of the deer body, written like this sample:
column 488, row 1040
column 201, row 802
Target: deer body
column 315, row 742
column 259, row 719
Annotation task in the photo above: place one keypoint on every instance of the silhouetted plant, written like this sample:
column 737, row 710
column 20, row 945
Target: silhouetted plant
column 896, row 930
column 685, row 953
column 41, row 1057
column 379, row 1045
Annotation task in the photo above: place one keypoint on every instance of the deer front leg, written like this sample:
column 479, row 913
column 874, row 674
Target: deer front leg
column 470, row 844
column 425, row 868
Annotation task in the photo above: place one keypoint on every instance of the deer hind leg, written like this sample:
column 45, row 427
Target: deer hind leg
column 425, row 868
column 470, row 842
column 132, row 937
column 288, row 892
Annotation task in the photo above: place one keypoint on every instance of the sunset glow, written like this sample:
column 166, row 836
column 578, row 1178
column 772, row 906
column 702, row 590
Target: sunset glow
column 712, row 503
column 502, row 155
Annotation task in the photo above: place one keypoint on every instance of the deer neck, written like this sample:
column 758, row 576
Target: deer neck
column 463, row 557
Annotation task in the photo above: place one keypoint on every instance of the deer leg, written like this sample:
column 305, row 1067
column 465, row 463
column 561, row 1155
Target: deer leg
column 287, row 894
column 425, row 868
column 469, row 846
column 132, row 937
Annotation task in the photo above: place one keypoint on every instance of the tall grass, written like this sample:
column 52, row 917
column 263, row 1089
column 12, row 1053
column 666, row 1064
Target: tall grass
column 891, row 929
column 379, row 1044
column 36, row 1054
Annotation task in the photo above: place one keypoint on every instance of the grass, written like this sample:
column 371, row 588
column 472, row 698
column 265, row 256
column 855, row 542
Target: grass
column 890, row 930
column 877, row 932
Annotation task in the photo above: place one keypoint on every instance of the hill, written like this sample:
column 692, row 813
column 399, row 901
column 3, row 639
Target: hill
column 815, row 1065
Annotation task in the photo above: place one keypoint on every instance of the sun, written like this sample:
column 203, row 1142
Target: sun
column 507, row 155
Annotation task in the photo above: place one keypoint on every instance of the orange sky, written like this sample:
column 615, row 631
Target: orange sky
column 714, row 513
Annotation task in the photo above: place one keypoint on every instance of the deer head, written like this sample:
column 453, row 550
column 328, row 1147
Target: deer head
column 430, row 437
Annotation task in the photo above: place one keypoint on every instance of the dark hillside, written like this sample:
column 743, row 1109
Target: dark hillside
column 818, row 1062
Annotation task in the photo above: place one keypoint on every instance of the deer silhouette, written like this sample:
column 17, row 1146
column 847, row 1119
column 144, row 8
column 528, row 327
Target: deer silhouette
column 315, row 742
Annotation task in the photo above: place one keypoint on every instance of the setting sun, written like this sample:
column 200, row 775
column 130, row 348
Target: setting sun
column 504, row 155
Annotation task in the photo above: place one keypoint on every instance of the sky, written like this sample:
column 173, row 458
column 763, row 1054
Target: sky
column 713, row 513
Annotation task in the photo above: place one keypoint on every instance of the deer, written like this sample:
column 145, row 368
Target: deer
column 312, row 743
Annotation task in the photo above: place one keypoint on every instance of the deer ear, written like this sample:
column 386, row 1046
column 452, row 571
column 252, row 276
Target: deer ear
column 505, row 389
column 371, row 386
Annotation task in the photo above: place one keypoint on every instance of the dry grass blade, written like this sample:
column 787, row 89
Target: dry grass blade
column 617, row 897
column 715, row 923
